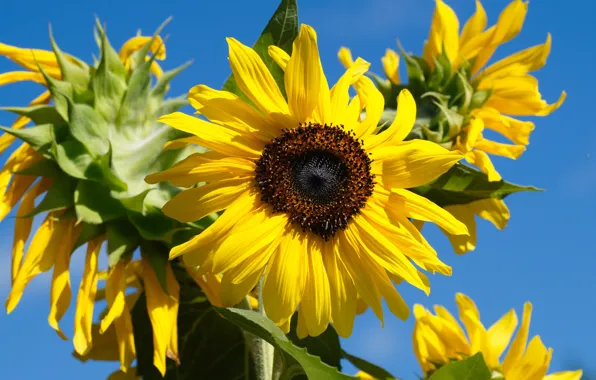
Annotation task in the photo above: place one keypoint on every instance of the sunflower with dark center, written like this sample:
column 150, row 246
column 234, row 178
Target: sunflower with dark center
column 315, row 199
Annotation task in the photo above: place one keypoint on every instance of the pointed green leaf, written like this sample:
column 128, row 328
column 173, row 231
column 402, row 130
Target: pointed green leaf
column 281, row 31
column 171, row 105
column 89, row 128
column 94, row 204
column 41, row 114
column 264, row 328
column 36, row 136
column 326, row 346
column 58, row 197
column 112, row 59
column 61, row 92
column 463, row 184
column 472, row 368
column 480, row 97
column 73, row 70
column 374, row 370
column 123, row 239
column 133, row 108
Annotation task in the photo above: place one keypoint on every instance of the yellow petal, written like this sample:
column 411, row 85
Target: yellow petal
column 219, row 229
column 444, row 34
column 528, row 60
column 213, row 136
column 316, row 302
column 474, row 26
column 345, row 57
column 417, row 207
column 499, row 336
column 357, row 264
column 342, row 291
column 473, row 133
column 194, row 204
column 22, row 226
column 515, row 130
column 567, row 375
column 499, row 149
column 391, row 65
column 125, row 339
column 223, row 107
column 518, row 346
column 470, row 317
column 481, row 159
column 261, row 229
column 31, row 58
column 115, row 294
column 373, row 100
column 401, row 125
column 204, row 167
column 412, row 163
column 286, row 275
column 210, row 284
column 21, row 76
column 254, row 79
column 340, row 96
column 534, row 363
column 463, row 243
column 60, row 293
column 163, row 313
column 279, row 56
column 493, row 210
column 303, row 75
column 181, row 143
column 83, row 336
column 137, row 43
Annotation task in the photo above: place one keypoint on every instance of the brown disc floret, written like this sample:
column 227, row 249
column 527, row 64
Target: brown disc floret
column 318, row 175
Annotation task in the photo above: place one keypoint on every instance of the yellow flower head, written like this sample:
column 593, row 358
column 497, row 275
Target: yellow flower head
column 511, row 89
column 439, row 339
column 315, row 201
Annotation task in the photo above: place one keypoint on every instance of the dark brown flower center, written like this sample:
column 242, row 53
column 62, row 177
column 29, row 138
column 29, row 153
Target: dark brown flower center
column 318, row 175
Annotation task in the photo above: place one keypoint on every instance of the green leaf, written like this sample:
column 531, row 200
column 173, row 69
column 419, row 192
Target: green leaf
column 264, row 328
column 123, row 239
column 94, row 204
column 73, row 70
column 210, row 347
column 171, row 105
column 61, row 93
column 159, row 90
column 463, row 184
column 109, row 81
column 281, row 31
column 36, row 136
column 89, row 128
column 41, row 114
column 152, row 224
column 472, row 368
column 326, row 346
column 59, row 196
column 365, row 366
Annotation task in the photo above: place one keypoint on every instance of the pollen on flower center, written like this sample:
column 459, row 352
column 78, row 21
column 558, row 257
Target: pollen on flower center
column 318, row 175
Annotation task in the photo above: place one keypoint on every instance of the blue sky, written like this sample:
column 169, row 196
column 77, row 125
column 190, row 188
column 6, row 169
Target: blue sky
column 546, row 255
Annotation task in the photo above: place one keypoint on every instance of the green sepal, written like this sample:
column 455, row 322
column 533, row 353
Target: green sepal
column 159, row 90
column 74, row 71
column 372, row 369
column 37, row 136
column 296, row 360
column 109, row 81
column 123, row 239
column 133, row 107
column 171, row 105
column 40, row 114
column 463, row 184
column 473, row 367
column 89, row 128
column 88, row 232
column 42, row 168
column 480, row 97
column 281, row 31
column 95, row 205
column 60, row 91
column 74, row 158
column 59, row 196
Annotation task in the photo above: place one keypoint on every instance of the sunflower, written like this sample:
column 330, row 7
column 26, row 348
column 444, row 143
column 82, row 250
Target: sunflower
column 315, row 201
column 509, row 87
column 439, row 339
column 84, row 98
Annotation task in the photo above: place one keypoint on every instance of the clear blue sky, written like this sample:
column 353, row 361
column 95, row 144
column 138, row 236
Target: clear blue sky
column 546, row 254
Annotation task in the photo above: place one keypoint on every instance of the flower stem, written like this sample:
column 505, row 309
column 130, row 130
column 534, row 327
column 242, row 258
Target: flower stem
column 262, row 352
